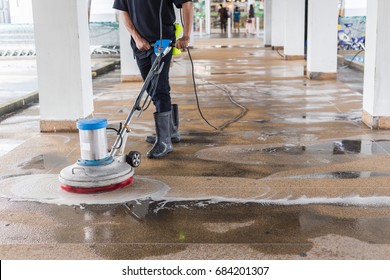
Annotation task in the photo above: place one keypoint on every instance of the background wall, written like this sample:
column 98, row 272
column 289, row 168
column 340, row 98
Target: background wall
column 355, row 8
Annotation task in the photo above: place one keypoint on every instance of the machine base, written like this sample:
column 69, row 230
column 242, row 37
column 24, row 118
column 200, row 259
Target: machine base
column 97, row 189
column 91, row 179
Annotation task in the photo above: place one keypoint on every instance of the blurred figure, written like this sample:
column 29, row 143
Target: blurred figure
column 237, row 17
column 251, row 19
column 223, row 16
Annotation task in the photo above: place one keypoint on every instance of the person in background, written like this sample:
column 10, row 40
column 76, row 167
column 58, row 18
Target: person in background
column 142, row 20
column 223, row 17
column 236, row 18
column 251, row 19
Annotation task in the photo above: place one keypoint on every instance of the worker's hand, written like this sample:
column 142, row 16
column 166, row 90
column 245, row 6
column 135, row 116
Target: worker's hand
column 182, row 43
column 142, row 44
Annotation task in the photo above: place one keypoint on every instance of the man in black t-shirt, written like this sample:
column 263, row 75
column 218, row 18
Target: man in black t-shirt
column 223, row 17
column 142, row 20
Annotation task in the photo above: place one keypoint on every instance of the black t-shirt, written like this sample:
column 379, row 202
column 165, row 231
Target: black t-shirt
column 145, row 15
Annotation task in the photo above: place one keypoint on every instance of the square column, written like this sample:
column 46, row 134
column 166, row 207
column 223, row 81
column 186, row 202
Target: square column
column 376, row 97
column 63, row 63
column 129, row 68
column 267, row 23
column 322, row 39
column 294, row 37
column 207, row 7
column 277, row 23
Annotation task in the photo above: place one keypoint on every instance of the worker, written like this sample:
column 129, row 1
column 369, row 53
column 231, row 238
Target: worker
column 143, row 19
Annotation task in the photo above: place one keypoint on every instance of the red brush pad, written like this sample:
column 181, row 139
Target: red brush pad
column 108, row 188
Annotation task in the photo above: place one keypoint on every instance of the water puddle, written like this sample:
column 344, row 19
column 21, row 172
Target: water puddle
column 364, row 147
column 45, row 188
column 141, row 215
column 192, row 222
column 7, row 145
column 342, row 175
column 44, row 161
column 324, row 117
column 300, row 155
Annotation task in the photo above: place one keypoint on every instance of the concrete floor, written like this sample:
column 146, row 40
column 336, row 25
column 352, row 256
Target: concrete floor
column 291, row 172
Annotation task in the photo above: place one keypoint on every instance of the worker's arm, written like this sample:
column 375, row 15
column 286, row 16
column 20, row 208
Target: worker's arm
column 140, row 42
column 188, row 15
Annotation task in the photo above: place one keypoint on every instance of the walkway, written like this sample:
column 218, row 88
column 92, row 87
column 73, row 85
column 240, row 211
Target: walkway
column 290, row 174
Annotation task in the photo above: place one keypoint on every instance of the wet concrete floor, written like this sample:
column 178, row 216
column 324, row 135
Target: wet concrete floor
column 291, row 172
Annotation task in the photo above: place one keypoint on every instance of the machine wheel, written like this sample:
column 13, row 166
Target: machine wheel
column 133, row 158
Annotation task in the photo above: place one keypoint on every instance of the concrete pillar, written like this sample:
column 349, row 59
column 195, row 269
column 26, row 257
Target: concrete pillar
column 129, row 68
column 63, row 63
column 229, row 27
column 5, row 15
column 200, row 19
column 294, row 37
column 376, row 97
column 267, row 23
column 208, row 16
column 322, row 39
column 278, row 23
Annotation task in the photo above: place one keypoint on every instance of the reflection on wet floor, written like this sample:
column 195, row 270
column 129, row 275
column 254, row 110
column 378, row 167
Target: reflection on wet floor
column 342, row 175
column 271, row 229
column 361, row 147
column 339, row 148
column 194, row 222
column 325, row 117
column 315, row 154
column 44, row 161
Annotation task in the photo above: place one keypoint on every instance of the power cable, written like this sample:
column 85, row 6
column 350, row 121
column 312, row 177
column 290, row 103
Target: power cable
column 194, row 82
column 353, row 58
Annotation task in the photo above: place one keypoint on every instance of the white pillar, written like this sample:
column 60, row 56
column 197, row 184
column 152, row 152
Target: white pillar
column 63, row 63
column 294, row 37
column 129, row 68
column 267, row 23
column 376, row 97
column 200, row 27
column 322, row 39
column 278, row 25
column 229, row 27
column 208, row 16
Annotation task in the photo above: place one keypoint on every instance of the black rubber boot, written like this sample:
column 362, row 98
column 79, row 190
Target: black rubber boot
column 163, row 144
column 175, row 135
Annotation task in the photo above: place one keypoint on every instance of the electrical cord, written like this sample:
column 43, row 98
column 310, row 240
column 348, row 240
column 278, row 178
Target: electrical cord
column 353, row 58
column 196, row 92
column 277, row 50
column 194, row 82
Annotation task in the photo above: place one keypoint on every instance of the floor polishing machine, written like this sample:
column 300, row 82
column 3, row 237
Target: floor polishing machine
column 101, row 170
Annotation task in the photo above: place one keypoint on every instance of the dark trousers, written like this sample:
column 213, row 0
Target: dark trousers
column 223, row 25
column 162, row 96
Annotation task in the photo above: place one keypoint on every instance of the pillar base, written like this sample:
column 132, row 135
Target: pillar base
column 375, row 122
column 320, row 75
column 131, row 78
column 277, row 48
column 294, row 57
column 58, row 126
column 267, row 46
